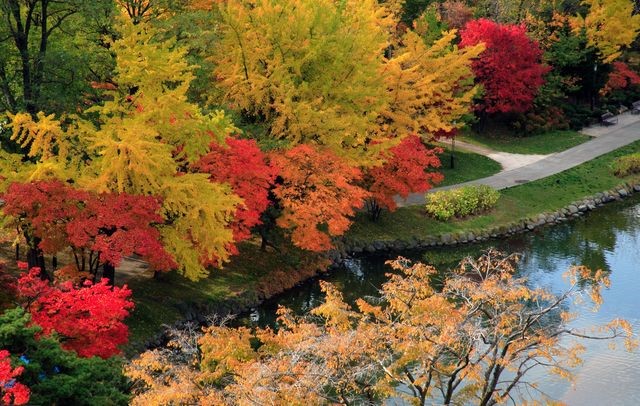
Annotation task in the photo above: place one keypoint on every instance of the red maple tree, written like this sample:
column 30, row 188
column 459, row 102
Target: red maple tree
column 12, row 392
column 318, row 195
column 99, row 229
column 87, row 318
column 244, row 166
column 404, row 172
column 510, row 67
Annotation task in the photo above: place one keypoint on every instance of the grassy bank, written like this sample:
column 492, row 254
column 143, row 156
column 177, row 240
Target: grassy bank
column 467, row 166
column 251, row 276
column 546, row 143
column 519, row 202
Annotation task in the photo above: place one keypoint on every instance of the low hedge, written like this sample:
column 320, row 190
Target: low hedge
column 461, row 202
column 626, row 165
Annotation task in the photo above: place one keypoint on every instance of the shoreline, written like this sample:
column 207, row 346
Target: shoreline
column 572, row 210
column 202, row 313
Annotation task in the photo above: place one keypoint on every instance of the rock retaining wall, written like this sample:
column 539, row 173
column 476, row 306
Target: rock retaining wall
column 346, row 248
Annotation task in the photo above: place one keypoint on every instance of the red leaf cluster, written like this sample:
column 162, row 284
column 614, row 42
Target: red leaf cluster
column 87, row 318
column 510, row 67
column 242, row 165
column 404, row 172
column 318, row 195
column 12, row 392
column 110, row 225
column 620, row 78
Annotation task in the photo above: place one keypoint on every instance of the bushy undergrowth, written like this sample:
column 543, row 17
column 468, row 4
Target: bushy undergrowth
column 626, row 165
column 461, row 202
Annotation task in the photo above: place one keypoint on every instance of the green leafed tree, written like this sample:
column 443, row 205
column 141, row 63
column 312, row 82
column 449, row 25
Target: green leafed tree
column 50, row 51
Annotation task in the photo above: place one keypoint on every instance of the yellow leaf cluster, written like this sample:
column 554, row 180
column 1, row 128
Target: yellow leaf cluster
column 310, row 68
column 430, row 88
column 610, row 26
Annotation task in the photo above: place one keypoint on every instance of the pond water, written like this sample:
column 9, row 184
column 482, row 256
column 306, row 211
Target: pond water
column 607, row 239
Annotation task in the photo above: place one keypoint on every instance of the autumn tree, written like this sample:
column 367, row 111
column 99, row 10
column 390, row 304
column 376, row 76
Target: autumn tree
column 243, row 165
column 318, row 195
column 622, row 77
column 456, row 13
column 54, row 375
column 100, row 229
column 430, row 87
column 405, row 171
column 142, row 141
column 87, row 318
column 509, row 69
column 610, row 26
column 294, row 66
column 12, row 392
column 51, row 51
column 474, row 339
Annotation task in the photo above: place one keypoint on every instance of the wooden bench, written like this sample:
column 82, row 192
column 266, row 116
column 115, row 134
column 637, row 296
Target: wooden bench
column 635, row 107
column 608, row 119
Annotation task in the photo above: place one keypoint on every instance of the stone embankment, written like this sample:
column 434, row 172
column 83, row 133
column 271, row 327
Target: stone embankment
column 346, row 248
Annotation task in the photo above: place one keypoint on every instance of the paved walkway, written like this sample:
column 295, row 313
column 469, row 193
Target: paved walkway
column 606, row 140
column 507, row 160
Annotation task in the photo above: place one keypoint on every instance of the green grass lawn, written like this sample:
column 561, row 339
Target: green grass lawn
column 467, row 166
column 545, row 143
column 516, row 203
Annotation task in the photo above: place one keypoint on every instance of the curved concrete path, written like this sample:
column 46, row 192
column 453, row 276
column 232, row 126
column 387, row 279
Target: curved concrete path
column 506, row 159
column 607, row 140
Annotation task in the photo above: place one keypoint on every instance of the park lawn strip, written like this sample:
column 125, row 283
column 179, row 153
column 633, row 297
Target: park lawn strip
column 467, row 166
column 516, row 203
column 539, row 144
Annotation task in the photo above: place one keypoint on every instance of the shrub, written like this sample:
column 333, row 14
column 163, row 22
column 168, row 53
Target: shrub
column 461, row 202
column 626, row 165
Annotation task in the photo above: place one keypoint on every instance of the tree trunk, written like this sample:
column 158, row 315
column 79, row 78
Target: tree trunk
column 35, row 258
column 109, row 272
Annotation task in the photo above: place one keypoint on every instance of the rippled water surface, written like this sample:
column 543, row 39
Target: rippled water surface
column 608, row 239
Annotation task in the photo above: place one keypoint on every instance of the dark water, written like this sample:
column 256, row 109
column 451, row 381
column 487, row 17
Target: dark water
column 607, row 239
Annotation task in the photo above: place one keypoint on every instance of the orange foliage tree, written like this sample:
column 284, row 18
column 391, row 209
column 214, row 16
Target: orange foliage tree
column 452, row 345
column 317, row 194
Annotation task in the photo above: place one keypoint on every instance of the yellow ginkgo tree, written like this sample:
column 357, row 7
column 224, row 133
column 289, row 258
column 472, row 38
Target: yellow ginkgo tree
column 430, row 88
column 309, row 69
column 610, row 26
column 141, row 141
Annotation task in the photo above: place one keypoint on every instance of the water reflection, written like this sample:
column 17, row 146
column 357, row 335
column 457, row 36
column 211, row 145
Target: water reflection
column 607, row 239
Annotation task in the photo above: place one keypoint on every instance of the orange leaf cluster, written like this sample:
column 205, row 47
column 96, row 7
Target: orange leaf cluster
column 318, row 195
